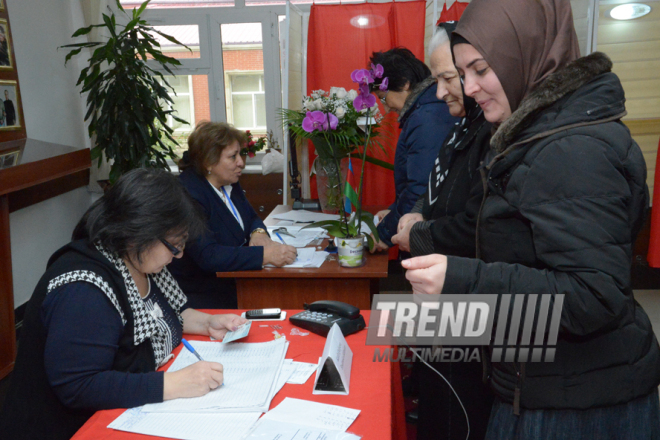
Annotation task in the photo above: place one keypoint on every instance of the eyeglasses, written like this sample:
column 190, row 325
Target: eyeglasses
column 174, row 249
column 384, row 97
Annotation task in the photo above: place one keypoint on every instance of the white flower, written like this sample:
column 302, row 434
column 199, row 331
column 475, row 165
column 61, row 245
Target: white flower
column 340, row 112
column 318, row 104
column 339, row 92
column 351, row 95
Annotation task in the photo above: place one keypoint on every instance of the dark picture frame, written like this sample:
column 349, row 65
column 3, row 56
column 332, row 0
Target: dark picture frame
column 5, row 46
column 10, row 107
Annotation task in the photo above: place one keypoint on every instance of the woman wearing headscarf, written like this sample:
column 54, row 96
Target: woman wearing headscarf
column 444, row 221
column 406, row 88
column 565, row 198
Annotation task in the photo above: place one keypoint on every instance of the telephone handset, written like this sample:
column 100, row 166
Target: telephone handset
column 319, row 317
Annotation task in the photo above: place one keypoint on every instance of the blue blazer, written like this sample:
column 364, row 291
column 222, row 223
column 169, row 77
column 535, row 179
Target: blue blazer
column 223, row 248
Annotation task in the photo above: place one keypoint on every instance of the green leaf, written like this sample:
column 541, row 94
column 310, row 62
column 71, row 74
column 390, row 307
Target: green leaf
column 72, row 53
column 143, row 6
column 119, row 6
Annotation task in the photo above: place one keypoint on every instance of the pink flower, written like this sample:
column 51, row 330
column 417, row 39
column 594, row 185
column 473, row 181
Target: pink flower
column 377, row 70
column 251, row 143
column 364, row 101
column 314, row 121
column 383, row 85
column 362, row 76
column 251, row 154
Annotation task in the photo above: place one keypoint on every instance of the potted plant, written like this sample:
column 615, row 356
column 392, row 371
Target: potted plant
column 347, row 230
column 127, row 101
column 252, row 147
column 332, row 123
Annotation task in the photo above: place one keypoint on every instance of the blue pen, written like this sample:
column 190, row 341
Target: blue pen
column 280, row 237
column 191, row 349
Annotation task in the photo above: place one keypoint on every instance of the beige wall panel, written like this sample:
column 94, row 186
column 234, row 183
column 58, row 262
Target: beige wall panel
column 637, row 70
column 637, row 51
column 642, row 89
column 626, row 32
column 643, row 108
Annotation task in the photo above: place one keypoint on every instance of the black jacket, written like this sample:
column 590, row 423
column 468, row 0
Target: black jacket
column 566, row 197
column 453, row 197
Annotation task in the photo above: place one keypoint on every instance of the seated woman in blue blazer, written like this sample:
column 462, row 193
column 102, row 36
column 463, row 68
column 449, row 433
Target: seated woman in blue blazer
column 236, row 238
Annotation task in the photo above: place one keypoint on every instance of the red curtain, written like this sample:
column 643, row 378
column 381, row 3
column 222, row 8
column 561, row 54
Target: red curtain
column 341, row 39
column 654, row 242
column 453, row 13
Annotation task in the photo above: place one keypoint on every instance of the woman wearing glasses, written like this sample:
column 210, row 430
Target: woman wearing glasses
column 107, row 313
column 408, row 89
column 236, row 238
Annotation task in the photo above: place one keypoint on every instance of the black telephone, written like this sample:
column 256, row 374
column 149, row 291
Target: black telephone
column 319, row 317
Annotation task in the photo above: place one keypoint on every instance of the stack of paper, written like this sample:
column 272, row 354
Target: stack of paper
column 250, row 372
column 302, row 216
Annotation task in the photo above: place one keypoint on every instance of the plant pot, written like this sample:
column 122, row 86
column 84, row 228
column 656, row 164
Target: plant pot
column 330, row 183
column 350, row 251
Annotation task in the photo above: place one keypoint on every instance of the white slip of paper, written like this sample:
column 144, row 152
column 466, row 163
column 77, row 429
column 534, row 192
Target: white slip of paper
column 302, row 238
column 316, row 415
column 250, row 373
column 189, row 426
column 302, row 373
column 308, row 257
column 266, row 429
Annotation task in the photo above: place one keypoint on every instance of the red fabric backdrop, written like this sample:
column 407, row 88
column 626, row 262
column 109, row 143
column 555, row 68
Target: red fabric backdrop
column 337, row 45
column 453, row 13
column 654, row 242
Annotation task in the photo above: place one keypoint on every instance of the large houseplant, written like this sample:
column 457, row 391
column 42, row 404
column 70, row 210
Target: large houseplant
column 127, row 101
column 349, row 228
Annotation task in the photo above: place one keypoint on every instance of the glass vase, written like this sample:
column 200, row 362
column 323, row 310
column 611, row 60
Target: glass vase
column 330, row 183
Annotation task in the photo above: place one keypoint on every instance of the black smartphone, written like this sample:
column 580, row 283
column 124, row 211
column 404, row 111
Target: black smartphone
column 263, row 314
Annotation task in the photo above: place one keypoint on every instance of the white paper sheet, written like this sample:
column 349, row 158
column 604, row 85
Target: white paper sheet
column 250, row 372
column 308, row 257
column 302, row 373
column 205, row 426
column 301, row 237
column 274, row 430
column 313, row 414
column 303, row 216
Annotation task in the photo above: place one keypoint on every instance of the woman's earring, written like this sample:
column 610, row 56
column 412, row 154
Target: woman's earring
column 209, row 172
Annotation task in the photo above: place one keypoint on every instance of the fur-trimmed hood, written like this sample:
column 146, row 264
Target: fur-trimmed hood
column 414, row 95
column 527, row 121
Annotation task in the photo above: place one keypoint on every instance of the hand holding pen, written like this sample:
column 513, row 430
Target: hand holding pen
column 194, row 380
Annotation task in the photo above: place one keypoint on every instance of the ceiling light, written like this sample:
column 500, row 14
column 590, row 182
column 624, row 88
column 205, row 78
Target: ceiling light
column 630, row 11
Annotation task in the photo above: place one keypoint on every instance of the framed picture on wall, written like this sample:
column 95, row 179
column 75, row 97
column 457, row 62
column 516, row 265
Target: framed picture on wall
column 8, row 160
column 10, row 106
column 5, row 46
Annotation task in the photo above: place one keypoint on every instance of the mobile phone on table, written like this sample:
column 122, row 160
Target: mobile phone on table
column 263, row 314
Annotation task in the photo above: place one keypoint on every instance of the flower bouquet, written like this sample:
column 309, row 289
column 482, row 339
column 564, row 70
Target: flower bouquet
column 250, row 149
column 341, row 123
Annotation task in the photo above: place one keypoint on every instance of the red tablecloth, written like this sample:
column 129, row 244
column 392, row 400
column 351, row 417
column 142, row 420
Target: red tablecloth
column 375, row 387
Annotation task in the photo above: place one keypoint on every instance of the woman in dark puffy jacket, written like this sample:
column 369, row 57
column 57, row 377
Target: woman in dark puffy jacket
column 565, row 197
column 408, row 89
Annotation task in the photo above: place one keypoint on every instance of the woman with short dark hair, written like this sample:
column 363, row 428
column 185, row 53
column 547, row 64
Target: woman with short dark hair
column 236, row 238
column 107, row 314
column 407, row 88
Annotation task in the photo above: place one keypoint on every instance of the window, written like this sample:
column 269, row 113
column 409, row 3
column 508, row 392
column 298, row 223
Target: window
column 248, row 104
column 184, row 103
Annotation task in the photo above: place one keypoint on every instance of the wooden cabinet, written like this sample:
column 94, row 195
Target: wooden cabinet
column 263, row 192
column 31, row 171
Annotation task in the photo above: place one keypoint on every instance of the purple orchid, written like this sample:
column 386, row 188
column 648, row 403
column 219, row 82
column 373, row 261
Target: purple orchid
column 364, row 101
column 333, row 121
column 383, row 85
column 362, row 76
column 377, row 70
column 314, row 121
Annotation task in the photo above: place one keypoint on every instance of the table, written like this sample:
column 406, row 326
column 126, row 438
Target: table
column 375, row 387
column 31, row 171
column 291, row 288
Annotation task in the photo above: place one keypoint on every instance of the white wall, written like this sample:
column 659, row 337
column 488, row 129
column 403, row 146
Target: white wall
column 53, row 112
